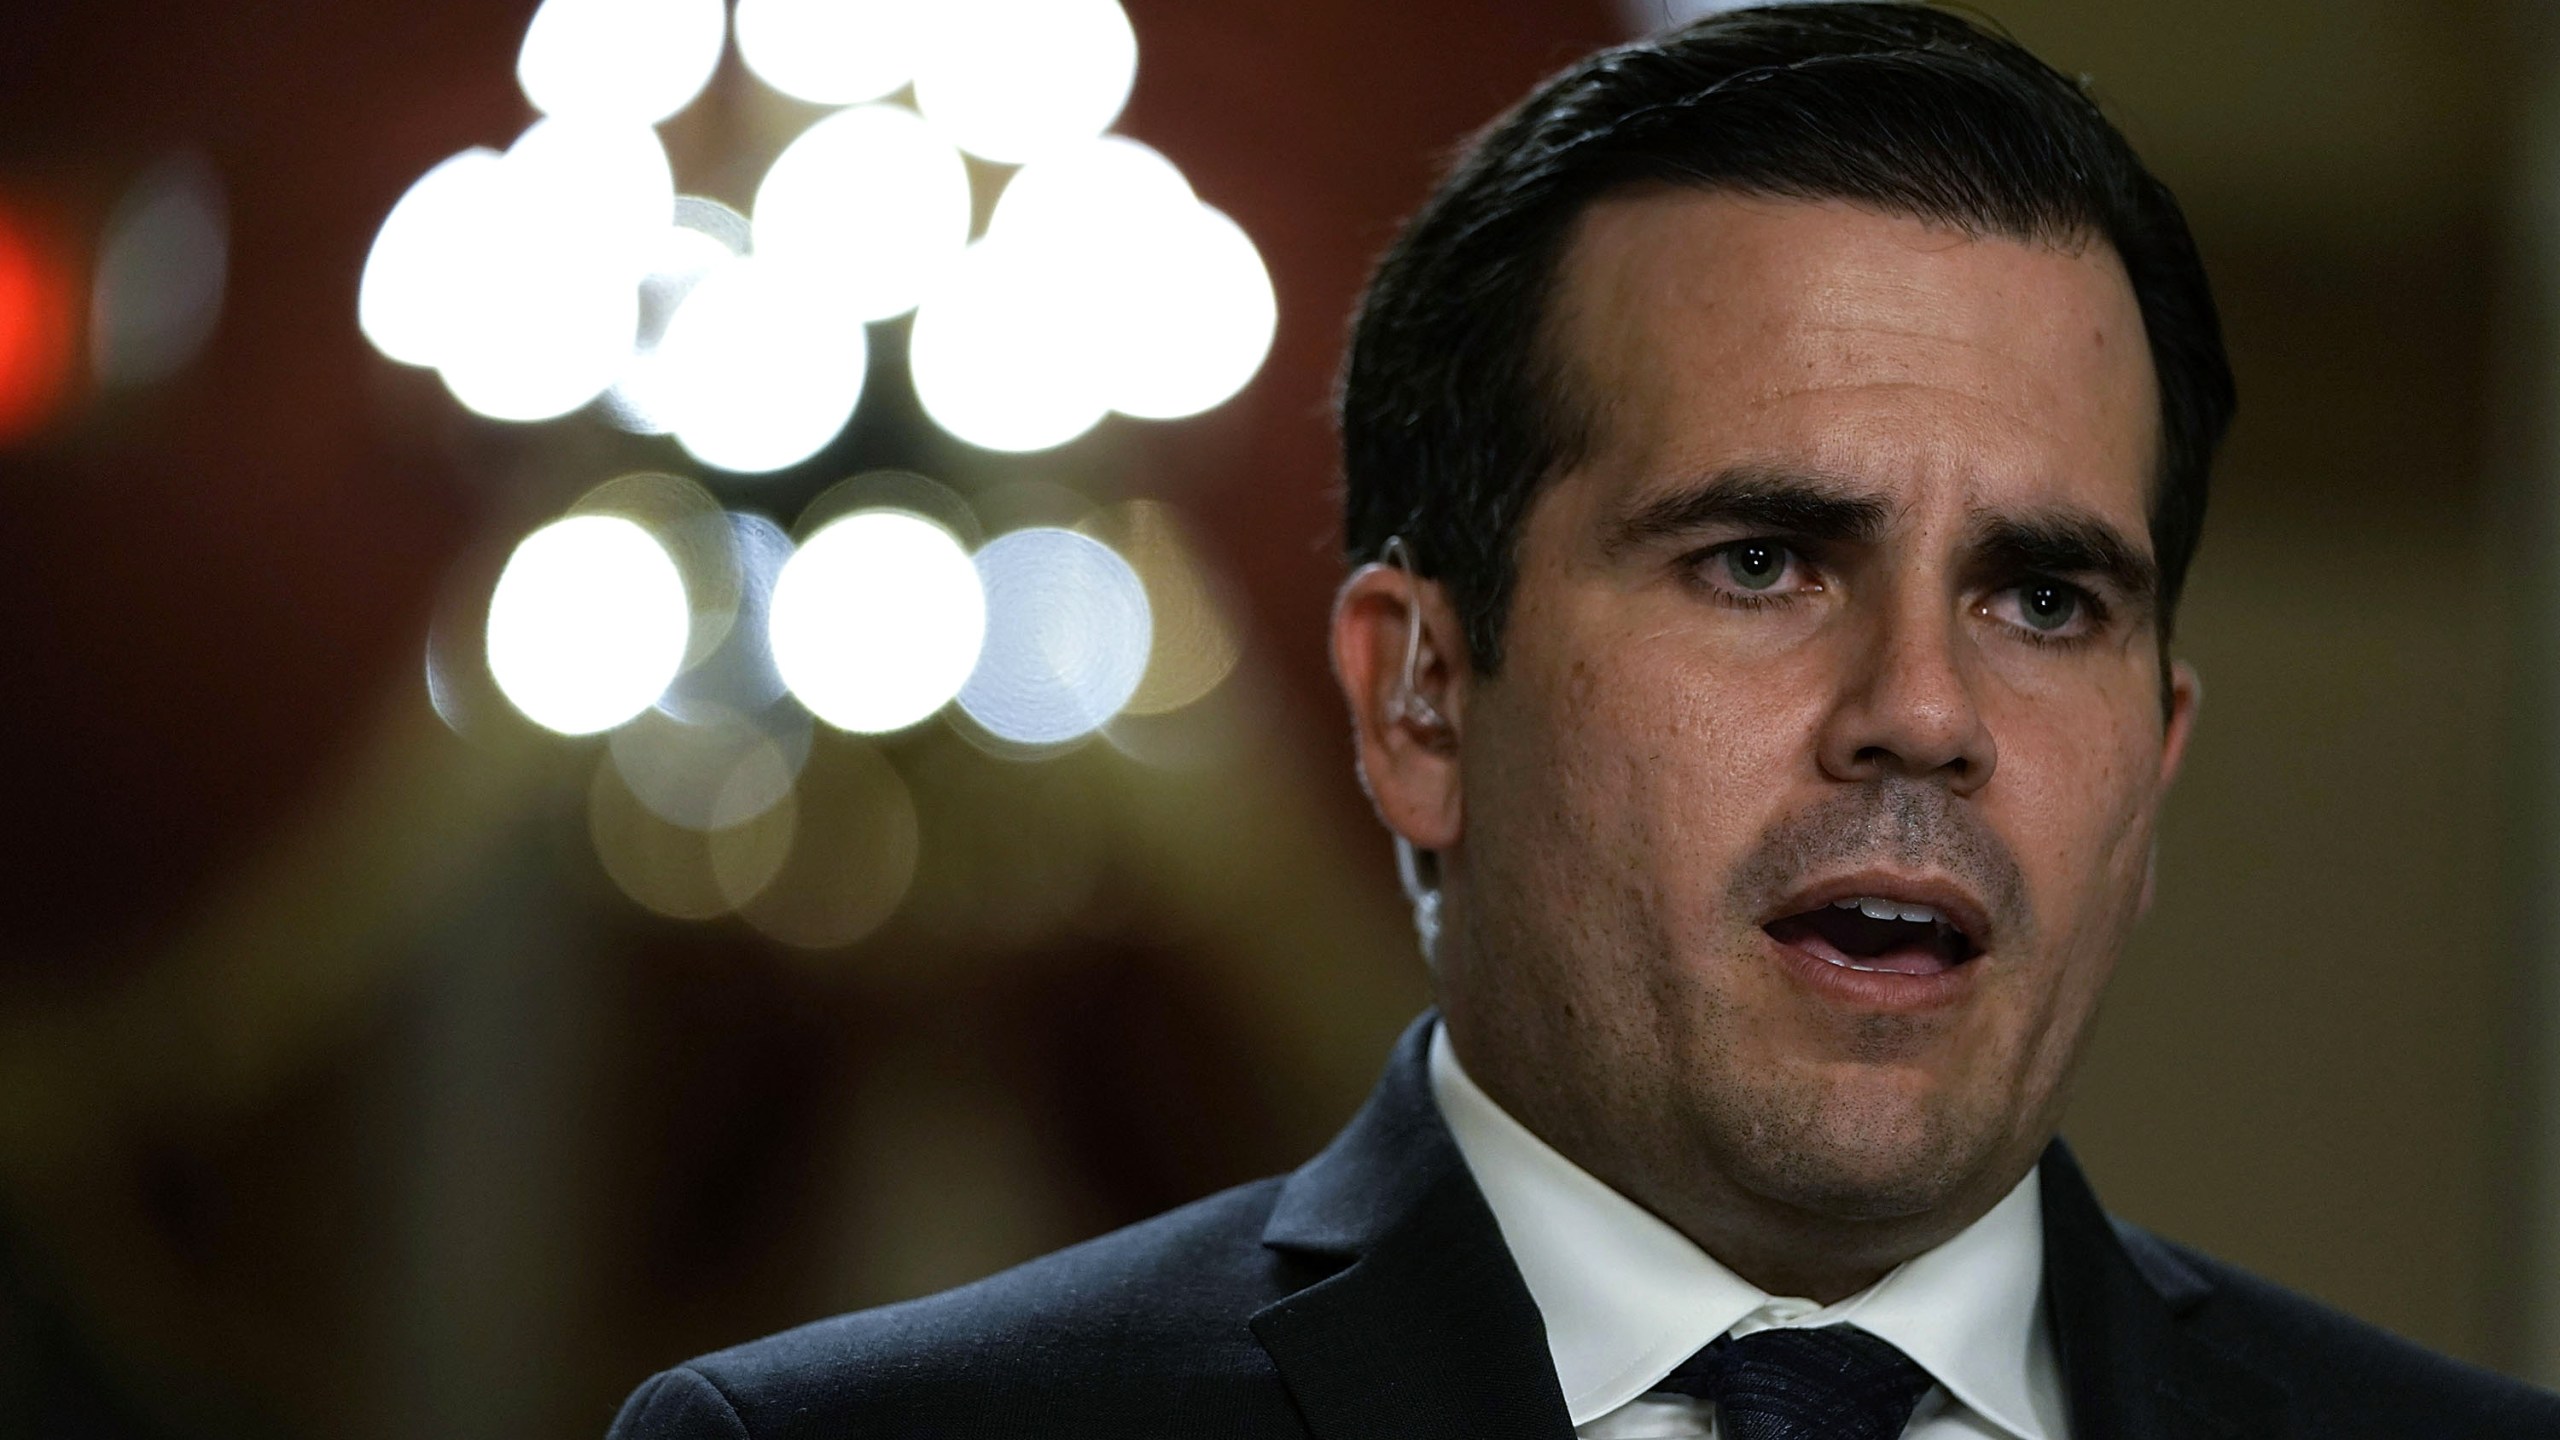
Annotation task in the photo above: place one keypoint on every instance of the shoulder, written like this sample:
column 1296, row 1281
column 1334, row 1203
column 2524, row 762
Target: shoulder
column 2344, row 1376
column 1141, row 1325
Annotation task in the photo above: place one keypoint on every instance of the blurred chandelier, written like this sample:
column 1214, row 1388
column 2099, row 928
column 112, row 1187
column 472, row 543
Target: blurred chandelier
column 707, row 644
column 568, row 271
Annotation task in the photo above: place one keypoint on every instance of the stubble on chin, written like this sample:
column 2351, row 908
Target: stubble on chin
column 1822, row 1145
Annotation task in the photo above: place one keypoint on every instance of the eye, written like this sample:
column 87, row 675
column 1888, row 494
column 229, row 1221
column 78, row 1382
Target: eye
column 1747, row 569
column 1755, row 564
column 2044, row 608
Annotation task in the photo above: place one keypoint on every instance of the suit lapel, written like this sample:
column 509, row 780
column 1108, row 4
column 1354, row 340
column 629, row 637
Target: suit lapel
column 2130, row 1369
column 1421, row 1326
column 1415, row 1324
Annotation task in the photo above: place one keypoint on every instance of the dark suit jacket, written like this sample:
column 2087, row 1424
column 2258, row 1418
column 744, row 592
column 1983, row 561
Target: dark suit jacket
column 1370, row 1295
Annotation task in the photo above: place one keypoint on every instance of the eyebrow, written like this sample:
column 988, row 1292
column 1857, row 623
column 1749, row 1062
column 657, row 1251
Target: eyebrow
column 1812, row 505
column 1794, row 503
column 2065, row 544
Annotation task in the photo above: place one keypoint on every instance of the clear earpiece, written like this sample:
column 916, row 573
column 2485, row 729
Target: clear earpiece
column 1409, row 706
column 1418, row 870
column 1422, row 891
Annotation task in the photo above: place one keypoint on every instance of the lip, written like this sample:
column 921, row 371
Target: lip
column 1872, row 990
column 1947, row 896
column 1820, row 968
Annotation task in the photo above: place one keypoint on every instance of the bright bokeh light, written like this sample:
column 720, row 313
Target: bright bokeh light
column 681, row 260
column 161, row 266
column 1068, row 635
column 1103, row 284
column 877, row 620
column 831, row 52
column 751, row 376
column 517, row 277
column 1197, row 326
column 1084, row 196
column 866, row 208
column 607, row 183
column 587, row 624
column 404, row 303
column 1008, row 80
column 1002, row 352
column 566, row 269
column 636, row 61
column 540, row 329
column 1181, row 309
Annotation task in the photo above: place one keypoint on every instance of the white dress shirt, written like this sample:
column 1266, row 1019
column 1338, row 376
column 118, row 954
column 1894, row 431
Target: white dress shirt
column 1626, row 1297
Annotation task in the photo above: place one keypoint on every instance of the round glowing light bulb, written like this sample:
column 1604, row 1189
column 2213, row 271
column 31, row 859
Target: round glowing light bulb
column 1010, row 79
column 866, row 207
column 629, row 60
column 1196, row 320
column 608, row 183
column 1084, row 195
column 543, row 284
column 831, row 52
column 750, row 376
column 1164, row 307
column 539, row 331
column 588, row 624
column 1068, row 636
column 877, row 620
column 1002, row 350
column 405, row 303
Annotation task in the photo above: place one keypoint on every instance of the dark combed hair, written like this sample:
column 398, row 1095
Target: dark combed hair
column 1454, row 408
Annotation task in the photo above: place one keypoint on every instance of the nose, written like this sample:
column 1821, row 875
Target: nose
column 1907, row 707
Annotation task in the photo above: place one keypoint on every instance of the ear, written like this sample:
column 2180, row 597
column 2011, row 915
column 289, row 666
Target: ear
column 1407, row 744
column 2186, row 695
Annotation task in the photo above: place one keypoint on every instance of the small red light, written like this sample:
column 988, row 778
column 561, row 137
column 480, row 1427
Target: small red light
column 36, row 332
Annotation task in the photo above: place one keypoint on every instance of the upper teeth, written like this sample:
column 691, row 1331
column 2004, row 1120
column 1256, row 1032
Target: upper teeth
column 1875, row 909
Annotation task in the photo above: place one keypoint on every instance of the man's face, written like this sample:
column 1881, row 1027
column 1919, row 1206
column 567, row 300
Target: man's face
column 1850, row 600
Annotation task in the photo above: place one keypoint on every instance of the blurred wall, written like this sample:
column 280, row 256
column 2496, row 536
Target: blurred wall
column 341, row 1094
column 2310, row 1061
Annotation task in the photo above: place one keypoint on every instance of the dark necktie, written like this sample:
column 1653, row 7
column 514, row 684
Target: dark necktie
column 1834, row 1383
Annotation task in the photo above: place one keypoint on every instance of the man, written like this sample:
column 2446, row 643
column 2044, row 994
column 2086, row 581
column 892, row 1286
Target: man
column 1774, row 456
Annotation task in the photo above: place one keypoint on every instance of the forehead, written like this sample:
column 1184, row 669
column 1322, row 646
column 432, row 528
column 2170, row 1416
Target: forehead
column 1703, row 328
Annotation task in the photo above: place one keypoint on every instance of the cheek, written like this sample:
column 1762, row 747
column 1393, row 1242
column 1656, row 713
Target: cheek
column 1652, row 764
column 2077, row 795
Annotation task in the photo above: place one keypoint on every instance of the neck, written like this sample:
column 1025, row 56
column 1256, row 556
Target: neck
column 1822, row 1243
column 1785, row 1250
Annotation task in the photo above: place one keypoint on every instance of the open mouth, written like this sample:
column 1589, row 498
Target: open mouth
column 1866, row 932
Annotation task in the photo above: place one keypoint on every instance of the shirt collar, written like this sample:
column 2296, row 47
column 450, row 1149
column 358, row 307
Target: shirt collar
column 1626, row 1297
